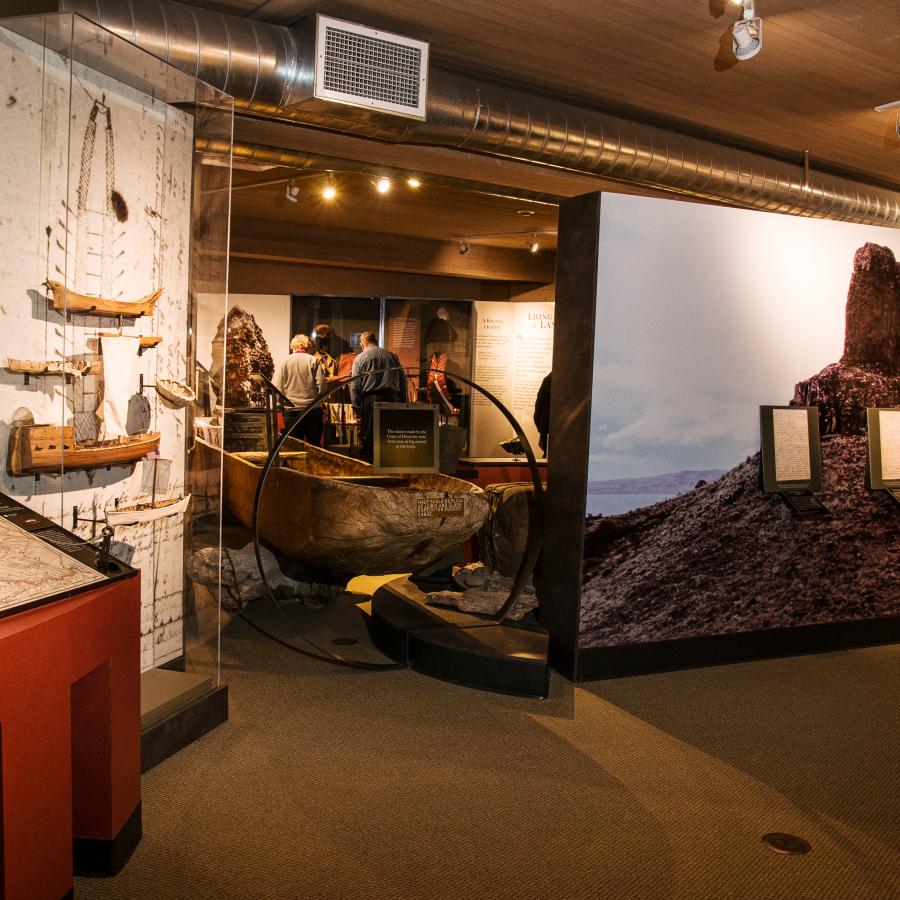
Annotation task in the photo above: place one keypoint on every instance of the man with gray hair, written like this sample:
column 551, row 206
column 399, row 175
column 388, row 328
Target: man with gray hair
column 301, row 379
column 382, row 381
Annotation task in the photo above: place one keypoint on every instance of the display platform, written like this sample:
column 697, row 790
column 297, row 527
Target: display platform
column 497, row 470
column 460, row 647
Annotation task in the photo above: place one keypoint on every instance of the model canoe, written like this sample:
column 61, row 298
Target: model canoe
column 147, row 512
column 64, row 300
column 335, row 514
column 34, row 449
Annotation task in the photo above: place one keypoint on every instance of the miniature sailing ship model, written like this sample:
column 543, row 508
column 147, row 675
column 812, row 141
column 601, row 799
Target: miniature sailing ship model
column 36, row 449
column 336, row 514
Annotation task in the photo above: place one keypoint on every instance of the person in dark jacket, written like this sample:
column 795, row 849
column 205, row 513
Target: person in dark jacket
column 542, row 413
column 382, row 381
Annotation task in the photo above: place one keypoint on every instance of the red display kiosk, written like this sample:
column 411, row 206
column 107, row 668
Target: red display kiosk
column 70, row 742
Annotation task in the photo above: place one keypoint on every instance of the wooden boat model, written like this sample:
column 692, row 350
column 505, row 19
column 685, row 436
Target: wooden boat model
column 66, row 368
column 64, row 300
column 175, row 392
column 335, row 514
column 147, row 512
column 52, row 448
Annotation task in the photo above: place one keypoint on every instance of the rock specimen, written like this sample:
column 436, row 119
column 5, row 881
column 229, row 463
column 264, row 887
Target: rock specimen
column 246, row 352
column 869, row 371
column 484, row 592
column 241, row 581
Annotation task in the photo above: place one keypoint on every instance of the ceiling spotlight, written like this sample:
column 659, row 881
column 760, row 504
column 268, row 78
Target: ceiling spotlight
column 463, row 247
column 747, row 32
column 329, row 191
column 413, row 182
column 292, row 192
column 533, row 245
column 383, row 185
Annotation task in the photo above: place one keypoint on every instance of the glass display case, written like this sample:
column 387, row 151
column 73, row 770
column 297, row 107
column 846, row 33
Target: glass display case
column 113, row 226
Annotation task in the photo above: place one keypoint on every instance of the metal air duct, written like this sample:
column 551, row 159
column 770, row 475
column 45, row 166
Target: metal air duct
column 268, row 69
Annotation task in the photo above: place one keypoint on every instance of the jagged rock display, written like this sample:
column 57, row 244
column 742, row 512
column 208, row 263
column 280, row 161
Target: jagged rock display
column 247, row 352
column 869, row 371
column 872, row 336
column 725, row 557
column 241, row 581
column 484, row 592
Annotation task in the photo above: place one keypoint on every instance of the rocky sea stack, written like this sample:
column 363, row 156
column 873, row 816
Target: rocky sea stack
column 725, row 557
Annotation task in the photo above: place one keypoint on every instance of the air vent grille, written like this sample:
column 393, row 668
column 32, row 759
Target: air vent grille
column 370, row 68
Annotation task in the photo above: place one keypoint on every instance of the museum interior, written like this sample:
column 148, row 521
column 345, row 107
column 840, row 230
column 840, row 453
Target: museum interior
column 308, row 576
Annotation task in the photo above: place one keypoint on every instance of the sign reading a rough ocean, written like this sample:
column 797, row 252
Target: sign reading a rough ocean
column 406, row 438
column 791, row 458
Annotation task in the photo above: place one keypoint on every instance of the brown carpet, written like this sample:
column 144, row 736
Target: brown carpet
column 329, row 783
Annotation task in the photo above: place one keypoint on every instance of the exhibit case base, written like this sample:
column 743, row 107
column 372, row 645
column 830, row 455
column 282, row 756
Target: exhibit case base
column 596, row 663
column 460, row 647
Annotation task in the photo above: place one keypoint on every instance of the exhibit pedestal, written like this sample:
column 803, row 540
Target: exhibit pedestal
column 70, row 783
column 460, row 647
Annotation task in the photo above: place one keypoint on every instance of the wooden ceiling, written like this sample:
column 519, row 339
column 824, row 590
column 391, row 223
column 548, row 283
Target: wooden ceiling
column 823, row 66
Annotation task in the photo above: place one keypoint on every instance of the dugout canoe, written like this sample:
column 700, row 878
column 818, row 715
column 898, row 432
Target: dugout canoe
column 335, row 514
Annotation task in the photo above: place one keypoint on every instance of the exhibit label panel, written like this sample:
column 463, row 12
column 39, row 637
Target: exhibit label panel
column 703, row 315
column 513, row 353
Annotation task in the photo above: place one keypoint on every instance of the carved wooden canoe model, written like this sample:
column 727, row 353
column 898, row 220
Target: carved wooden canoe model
column 64, row 300
column 336, row 514
column 146, row 512
column 175, row 392
column 50, row 448
column 71, row 368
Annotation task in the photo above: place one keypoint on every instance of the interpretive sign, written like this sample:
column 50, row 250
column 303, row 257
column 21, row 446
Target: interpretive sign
column 406, row 438
column 884, row 448
column 434, row 507
column 791, row 455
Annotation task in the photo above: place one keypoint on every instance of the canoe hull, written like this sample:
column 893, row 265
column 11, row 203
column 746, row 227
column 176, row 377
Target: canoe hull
column 351, row 528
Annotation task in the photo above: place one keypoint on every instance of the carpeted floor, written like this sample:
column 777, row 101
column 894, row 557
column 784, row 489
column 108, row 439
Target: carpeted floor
column 329, row 783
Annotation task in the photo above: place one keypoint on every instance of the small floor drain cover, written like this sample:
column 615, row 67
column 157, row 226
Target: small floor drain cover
column 782, row 842
column 344, row 641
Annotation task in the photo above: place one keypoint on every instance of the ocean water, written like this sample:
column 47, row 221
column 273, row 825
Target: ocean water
column 613, row 504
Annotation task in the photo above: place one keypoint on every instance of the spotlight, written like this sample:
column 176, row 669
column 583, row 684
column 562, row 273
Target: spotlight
column 329, row 191
column 463, row 247
column 413, row 182
column 383, row 185
column 292, row 192
column 747, row 33
column 533, row 245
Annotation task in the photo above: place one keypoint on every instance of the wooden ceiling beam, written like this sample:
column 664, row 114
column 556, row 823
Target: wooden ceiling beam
column 263, row 239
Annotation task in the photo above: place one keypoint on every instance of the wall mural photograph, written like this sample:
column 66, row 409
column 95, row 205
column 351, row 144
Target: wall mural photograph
column 704, row 315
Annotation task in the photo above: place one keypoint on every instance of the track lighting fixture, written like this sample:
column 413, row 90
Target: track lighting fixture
column 413, row 182
column 292, row 192
column 747, row 32
column 383, row 185
column 329, row 191
column 463, row 247
column 532, row 244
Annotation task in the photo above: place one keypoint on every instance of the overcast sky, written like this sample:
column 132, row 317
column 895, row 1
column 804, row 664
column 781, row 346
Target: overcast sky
column 704, row 314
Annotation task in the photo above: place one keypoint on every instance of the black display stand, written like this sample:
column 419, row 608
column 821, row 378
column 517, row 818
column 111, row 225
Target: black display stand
column 466, row 649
